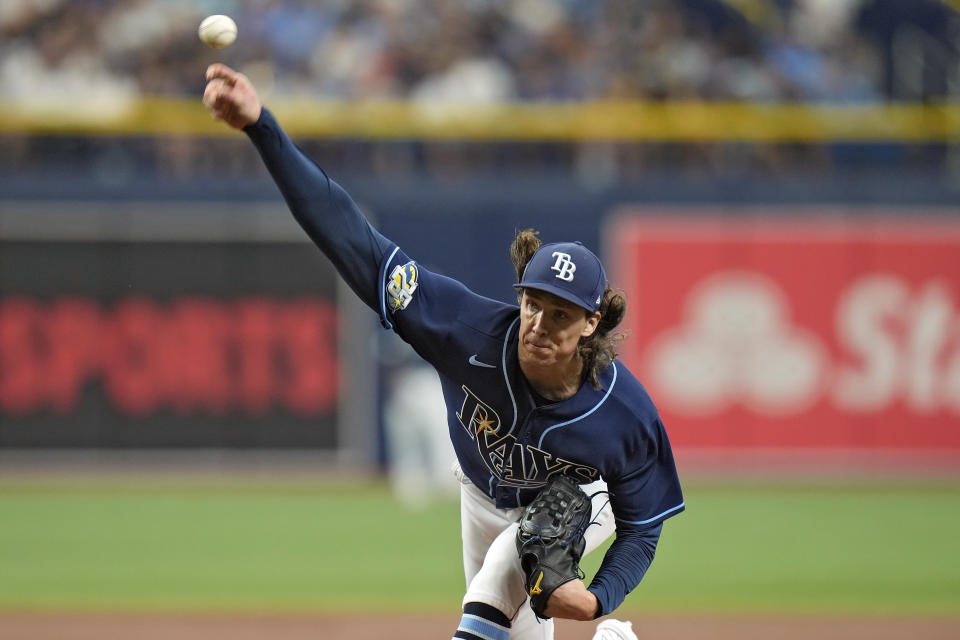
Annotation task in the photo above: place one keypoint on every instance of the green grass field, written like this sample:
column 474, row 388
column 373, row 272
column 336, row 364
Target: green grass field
column 158, row 544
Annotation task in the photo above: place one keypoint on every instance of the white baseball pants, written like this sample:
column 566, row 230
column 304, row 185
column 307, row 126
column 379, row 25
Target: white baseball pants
column 490, row 560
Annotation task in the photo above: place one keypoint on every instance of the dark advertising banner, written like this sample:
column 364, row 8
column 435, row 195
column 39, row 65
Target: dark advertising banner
column 128, row 344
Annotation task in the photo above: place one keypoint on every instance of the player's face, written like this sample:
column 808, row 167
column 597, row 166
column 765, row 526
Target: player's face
column 551, row 327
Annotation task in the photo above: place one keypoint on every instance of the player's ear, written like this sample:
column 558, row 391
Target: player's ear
column 593, row 320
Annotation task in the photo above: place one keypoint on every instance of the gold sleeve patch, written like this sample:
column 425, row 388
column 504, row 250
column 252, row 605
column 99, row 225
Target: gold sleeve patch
column 401, row 286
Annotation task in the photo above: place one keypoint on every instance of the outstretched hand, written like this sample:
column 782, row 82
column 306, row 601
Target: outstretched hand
column 572, row 601
column 229, row 96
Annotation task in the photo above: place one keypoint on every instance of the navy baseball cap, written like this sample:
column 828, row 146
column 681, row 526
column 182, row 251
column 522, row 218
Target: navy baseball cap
column 568, row 270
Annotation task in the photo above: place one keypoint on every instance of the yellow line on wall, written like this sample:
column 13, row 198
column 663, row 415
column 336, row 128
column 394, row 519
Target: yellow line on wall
column 953, row 4
column 621, row 121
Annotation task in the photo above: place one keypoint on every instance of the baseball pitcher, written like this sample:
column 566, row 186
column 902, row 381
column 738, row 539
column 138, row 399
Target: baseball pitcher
column 558, row 445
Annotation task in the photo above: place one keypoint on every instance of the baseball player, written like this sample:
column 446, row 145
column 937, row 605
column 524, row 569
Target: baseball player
column 533, row 393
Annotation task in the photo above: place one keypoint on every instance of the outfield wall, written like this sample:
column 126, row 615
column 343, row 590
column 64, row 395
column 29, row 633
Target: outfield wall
column 133, row 326
column 174, row 323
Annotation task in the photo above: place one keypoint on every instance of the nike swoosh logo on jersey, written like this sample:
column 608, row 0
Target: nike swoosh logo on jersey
column 473, row 360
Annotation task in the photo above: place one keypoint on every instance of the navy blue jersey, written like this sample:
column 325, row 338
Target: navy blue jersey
column 506, row 443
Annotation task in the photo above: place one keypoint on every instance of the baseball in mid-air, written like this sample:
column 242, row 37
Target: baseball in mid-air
column 218, row 31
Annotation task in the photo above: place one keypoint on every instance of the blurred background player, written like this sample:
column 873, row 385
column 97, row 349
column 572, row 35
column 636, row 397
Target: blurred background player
column 575, row 409
column 419, row 453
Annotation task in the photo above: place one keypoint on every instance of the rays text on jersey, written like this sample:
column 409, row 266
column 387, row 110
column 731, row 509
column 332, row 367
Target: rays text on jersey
column 513, row 463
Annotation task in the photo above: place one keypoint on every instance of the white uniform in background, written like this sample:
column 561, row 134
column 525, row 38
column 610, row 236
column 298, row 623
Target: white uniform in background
column 418, row 441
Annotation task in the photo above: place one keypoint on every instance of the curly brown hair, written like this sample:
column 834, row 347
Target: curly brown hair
column 599, row 350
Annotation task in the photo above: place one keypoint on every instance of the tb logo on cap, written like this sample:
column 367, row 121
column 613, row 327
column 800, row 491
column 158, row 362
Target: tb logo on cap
column 563, row 266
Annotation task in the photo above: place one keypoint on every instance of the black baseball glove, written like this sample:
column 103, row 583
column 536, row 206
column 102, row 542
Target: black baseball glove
column 550, row 539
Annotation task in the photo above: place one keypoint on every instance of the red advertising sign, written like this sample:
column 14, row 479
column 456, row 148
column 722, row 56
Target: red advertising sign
column 163, row 344
column 841, row 332
column 196, row 355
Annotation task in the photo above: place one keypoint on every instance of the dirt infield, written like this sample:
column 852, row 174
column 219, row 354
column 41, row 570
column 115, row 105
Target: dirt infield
column 30, row 626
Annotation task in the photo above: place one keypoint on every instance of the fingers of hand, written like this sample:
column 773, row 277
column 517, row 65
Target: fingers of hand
column 217, row 97
column 209, row 94
column 222, row 71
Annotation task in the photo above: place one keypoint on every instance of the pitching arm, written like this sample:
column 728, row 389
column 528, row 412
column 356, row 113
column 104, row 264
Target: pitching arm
column 323, row 208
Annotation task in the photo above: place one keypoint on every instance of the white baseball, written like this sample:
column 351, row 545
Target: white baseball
column 218, row 31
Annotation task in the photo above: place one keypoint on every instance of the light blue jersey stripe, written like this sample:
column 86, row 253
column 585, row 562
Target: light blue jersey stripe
column 659, row 515
column 506, row 378
column 383, row 291
column 483, row 628
column 595, row 407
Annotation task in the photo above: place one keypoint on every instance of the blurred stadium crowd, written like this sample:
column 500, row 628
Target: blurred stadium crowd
column 769, row 50
column 101, row 52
